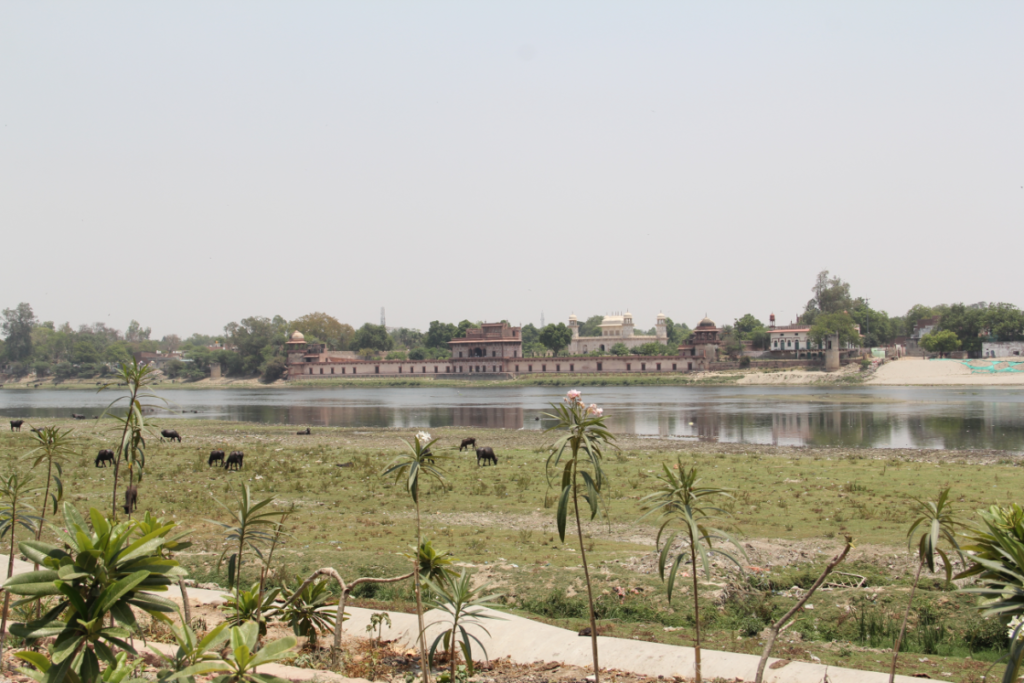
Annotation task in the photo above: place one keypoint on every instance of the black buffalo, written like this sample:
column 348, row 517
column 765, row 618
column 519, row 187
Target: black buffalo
column 234, row 459
column 303, row 432
column 170, row 434
column 105, row 456
column 77, row 416
column 467, row 443
column 16, row 425
column 427, row 456
column 486, row 454
column 131, row 499
column 214, row 457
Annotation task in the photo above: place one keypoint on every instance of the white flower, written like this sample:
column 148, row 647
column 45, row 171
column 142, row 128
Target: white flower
column 592, row 409
column 1014, row 625
column 423, row 438
column 573, row 397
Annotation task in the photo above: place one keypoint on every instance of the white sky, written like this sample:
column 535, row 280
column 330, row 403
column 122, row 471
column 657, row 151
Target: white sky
column 192, row 163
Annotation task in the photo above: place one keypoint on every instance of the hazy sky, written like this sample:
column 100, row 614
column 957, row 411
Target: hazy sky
column 189, row 164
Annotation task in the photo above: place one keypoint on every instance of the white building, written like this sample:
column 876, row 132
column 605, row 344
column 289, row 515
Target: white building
column 615, row 329
column 1002, row 349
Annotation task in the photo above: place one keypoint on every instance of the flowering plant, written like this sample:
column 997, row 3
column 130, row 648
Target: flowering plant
column 581, row 446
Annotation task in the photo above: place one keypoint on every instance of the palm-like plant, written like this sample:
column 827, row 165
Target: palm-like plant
column 53, row 447
column 409, row 466
column 936, row 522
column 253, row 526
column 997, row 560
column 456, row 597
column 106, row 571
column 240, row 664
column 311, row 611
column 131, row 447
column 582, row 448
column 192, row 649
column 15, row 511
column 251, row 605
column 680, row 499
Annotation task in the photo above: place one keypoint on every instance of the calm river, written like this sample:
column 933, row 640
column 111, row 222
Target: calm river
column 879, row 417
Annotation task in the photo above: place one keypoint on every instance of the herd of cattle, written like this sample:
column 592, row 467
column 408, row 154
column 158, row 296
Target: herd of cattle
column 484, row 455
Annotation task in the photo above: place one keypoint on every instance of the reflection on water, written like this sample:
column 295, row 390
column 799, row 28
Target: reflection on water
column 881, row 417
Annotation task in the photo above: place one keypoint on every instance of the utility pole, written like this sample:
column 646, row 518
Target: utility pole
column 542, row 318
column 383, row 322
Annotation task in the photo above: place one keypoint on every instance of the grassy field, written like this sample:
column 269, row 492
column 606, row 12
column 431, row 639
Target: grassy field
column 791, row 507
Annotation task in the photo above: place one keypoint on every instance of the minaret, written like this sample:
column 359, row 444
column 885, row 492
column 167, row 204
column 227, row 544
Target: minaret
column 574, row 325
column 627, row 324
column 660, row 329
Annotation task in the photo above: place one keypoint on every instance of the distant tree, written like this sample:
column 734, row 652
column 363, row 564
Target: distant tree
column 620, row 349
column 419, row 353
column 1005, row 322
column 117, row 353
column 916, row 313
column 42, row 368
column 555, row 336
column 439, row 334
column 136, row 332
column 259, row 340
column 324, row 327
column 677, row 333
column 465, row 325
column 831, row 295
column 174, row 368
column 273, row 370
column 966, row 323
column 171, row 342
column 534, row 349
column 85, row 350
column 592, row 326
column 828, row 324
column 732, row 342
column 198, row 339
column 17, row 326
column 654, row 349
column 406, row 338
column 395, row 355
column 530, row 334
column 941, row 342
column 371, row 336
column 876, row 326
column 747, row 326
column 368, row 353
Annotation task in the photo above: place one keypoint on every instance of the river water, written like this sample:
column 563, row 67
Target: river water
column 878, row 417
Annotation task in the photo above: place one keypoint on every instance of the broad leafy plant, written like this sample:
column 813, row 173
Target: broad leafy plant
column 408, row 466
column 191, row 650
column 240, row 664
column 15, row 511
column 253, row 526
column 131, row 448
column 310, row 611
column 103, row 574
column 997, row 562
column 936, row 522
column 119, row 672
column 464, row 606
column 52, row 446
column 251, row 605
column 681, row 500
column 581, row 448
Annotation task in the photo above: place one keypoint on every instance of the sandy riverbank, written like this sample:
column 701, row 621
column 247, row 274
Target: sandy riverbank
column 944, row 372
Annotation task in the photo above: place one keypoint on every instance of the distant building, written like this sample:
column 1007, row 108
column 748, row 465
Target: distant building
column 158, row 359
column 703, row 345
column 490, row 340
column 615, row 329
column 1002, row 349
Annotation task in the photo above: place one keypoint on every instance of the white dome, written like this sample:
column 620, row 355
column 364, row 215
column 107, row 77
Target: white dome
column 572, row 318
column 298, row 336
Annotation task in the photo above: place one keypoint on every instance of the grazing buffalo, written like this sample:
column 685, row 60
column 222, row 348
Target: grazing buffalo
column 104, row 456
column 427, row 456
column 214, row 457
column 467, row 443
column 16, row 425
column 77, row 416
column 234, row 459
column 131, row 499
column 486, row 454
column 303, row 432
column 170, row 434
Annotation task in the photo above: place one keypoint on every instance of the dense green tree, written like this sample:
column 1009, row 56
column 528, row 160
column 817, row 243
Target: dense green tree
column 534, row 349
column 831, row 295
column 396, row 355
column 439, row 334
column 85, row 350
column 555, row 336
column 747, row 326
column 941, row 342
column 828, row 324
column 465, row 325
column 916, row 313
column 530, row 334
column 655, row 349
column 17, row 326
column 591, row 327
column 259, row 340
column 966, row 322
column 325, row 328
column 677, row 333
column 407, row 338
column 876, row 326
column 620, row 349
column 371, row 336
column 1005, row 322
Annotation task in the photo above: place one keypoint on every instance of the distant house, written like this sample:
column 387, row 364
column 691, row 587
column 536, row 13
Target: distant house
column 157, row 359
column 1002, row 349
